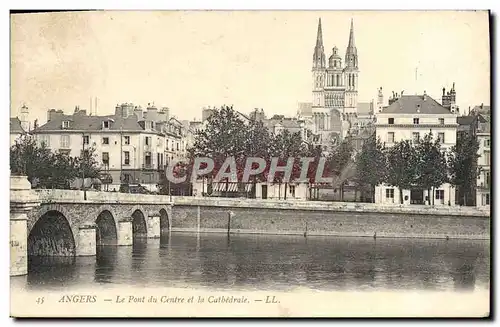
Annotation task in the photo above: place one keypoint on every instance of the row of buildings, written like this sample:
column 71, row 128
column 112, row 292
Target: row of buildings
column 134, row 144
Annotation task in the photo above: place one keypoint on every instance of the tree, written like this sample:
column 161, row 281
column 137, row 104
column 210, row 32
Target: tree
column 339, row 160
column 87, row 164
column 180, row 170
column 431, row 165
column 224, row 136
column 257, row 141
column 462, row 164
column 285, row 146
column 371, row 164
column 46, row 169
column 31, row 160
column 401, row 166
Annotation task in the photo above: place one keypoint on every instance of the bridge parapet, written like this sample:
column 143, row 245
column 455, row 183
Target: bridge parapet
column 73, row 196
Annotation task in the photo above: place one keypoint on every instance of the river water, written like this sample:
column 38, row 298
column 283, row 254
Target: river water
column 263, row 262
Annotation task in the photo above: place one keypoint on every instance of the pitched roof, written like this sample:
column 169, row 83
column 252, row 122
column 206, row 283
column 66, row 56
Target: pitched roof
column 482, row 109
column 80, row 121
column 465, row 120
column 485, row 124
column 409, row 104
column 286, row 123
column 15, row 125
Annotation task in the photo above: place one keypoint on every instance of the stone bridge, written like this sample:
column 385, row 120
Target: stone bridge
column 66, row 224
column 69, row 223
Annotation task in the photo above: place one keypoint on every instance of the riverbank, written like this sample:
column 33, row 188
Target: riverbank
column 314, row 218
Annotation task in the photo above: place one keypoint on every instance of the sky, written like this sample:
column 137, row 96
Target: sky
column 186, row 60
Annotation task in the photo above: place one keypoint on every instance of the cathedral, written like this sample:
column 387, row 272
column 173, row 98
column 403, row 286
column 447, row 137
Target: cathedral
column 334, row 104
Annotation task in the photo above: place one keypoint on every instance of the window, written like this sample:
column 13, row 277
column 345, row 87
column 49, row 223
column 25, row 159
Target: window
column 391, row 121
column 105, row 158
column 389, row 193
column 64, row 141
column 147, row 159
column 147, row 140
column 126, row 158
column 416, row 136
column 487, row 143
column 416, row 121
column 486, row 158
column 441, row 121
column 105, row 124
column 487, row 178
column 86, row 139
column 439, row 194
column 45, row 140
column 441, row 137
column 105, row 140
column 65, row 124
column 127, row 140
column 177, row 144
column 487, row 199
column 390, row 137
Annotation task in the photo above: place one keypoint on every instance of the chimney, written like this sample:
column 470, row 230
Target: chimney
column 402, row 92
column 444, row 90
column 481, row 105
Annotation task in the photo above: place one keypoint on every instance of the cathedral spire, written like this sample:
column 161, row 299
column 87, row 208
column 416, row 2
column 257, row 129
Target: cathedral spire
column 351, row 54
column 319, row 59
column 351, row 36
column 319, row 36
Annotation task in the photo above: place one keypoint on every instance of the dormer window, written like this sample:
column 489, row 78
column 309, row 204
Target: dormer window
column 65, row 124
column 105, row 124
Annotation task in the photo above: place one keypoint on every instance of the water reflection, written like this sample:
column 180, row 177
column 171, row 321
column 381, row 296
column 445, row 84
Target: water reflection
column 275, row 262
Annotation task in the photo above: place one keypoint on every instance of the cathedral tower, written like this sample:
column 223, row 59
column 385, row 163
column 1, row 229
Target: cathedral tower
column 351, row 74
column 318, row 69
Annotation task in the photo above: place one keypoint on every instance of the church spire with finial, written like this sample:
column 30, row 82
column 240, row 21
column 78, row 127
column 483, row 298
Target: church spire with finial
column 351, row 54
column 319, row 59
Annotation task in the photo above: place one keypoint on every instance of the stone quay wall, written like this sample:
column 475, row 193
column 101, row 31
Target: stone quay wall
column 327, row 218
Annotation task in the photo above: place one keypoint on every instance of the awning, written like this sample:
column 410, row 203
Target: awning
column 231, row 187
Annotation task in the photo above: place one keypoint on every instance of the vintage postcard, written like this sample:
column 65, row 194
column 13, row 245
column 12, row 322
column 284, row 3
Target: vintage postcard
column 250, row 164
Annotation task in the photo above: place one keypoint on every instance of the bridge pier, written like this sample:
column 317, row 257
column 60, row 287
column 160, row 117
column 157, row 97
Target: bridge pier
column 153, row 226
column 125, row 232
column 22, row 200
column 86, row 245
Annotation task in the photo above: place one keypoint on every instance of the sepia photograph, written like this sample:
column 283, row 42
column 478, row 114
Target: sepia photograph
column 204, row 163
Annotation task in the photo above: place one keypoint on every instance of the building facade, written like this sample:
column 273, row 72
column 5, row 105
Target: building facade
column 411, row 117
column 483, row 136
column 132, row 146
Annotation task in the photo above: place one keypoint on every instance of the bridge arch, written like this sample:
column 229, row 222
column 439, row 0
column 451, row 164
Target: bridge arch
column 164, row 220
column 106, row 232
column 139, row 227
column 51, row 235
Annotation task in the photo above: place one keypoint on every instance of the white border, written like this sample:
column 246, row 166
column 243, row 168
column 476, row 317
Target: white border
column 199, row 4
